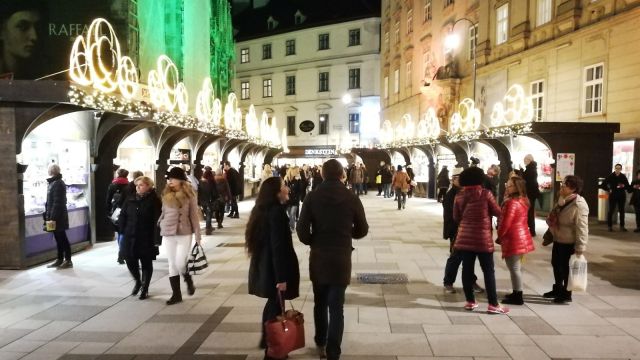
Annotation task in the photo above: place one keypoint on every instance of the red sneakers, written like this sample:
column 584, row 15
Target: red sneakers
column 470, row 305
column 497, row 309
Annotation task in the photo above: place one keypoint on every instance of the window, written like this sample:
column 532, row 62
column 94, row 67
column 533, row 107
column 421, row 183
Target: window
column 593, row 81
column 354, row 78
column 245, row 91
column 323, row 41
column 323, row 81
column 266, row 88
column 291, row 126
column 324, row 124
column 386, row 38
column 473, row 41
column 386, row 87
column 291, row 85
column 291, row 47
column 396, row 37
column 448, row 3
column 409, row 73
column 537, row 98
column 396, row 81
column 354, row 37
column 502, row 24
column 271, row 23
column 266, row 51
column 244, row 56
column 409, row 22
column 298, row 19
column 544, row 12
column 427, row 11
column 354, row 123
column 426, row 64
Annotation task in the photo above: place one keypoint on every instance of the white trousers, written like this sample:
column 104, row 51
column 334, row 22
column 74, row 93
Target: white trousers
column 178, row 249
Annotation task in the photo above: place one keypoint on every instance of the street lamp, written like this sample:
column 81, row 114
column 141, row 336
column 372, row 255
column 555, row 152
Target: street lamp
column 452, row 41
column 346, row 98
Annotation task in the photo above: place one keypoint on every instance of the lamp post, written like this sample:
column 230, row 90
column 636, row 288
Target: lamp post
column 452, row 41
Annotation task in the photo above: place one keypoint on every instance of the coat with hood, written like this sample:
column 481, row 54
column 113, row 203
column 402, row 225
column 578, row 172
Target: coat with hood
column 275, row 261
column 473, row 208
column 119, row 188
column 55, row 209
column 356, row 176
column 330, row 218
column 138, row 223
column 402, row 181
column 513, row 230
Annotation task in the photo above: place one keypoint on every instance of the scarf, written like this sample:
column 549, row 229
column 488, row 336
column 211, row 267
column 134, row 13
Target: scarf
column 552, row 219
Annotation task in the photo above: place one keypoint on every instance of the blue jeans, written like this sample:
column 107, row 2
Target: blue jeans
column 468, row 276
column 292, row 211
column 329, row 327
column 387, row 190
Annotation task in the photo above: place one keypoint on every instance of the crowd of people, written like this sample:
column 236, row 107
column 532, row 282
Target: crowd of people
column 322, row 205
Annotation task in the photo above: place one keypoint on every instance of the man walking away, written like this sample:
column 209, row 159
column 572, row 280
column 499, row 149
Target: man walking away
column 235, row 183
column 530, row 176
column 331, row 217
column 616, row 184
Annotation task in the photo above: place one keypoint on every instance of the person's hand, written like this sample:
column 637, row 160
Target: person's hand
column 281, row 286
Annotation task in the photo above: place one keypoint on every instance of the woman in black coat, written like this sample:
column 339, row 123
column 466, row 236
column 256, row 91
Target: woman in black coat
column 56, row 210
column 207, row 195
column 274, row 264
column 138, row 223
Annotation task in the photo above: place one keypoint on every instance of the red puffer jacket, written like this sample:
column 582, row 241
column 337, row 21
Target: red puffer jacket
column 474, row 206
column 513, row 230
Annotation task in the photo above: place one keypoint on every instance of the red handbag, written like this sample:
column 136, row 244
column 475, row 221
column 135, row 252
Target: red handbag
column 285, row 333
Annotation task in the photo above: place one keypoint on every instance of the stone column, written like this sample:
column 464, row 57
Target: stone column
column 12, row 219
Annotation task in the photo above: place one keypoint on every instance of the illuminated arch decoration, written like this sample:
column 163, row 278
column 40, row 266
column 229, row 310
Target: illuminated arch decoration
column 516, row 108
column 88, row 65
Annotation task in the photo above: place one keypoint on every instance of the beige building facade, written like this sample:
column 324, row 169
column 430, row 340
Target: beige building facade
column 578, row 59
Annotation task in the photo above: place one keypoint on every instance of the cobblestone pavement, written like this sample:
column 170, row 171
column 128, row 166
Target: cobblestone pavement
column 86, row 313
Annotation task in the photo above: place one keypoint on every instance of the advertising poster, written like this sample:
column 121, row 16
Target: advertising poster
column 36, row 36
column 566, row 165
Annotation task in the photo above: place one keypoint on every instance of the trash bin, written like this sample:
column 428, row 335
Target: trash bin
column 603, row 202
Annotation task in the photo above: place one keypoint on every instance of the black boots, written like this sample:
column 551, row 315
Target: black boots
column 137, row 285
column 191, row 289
column 551, row 294
column 55, row 264
column 146, row 279
column 562, row 297
column 176, row 297
column 515, row 298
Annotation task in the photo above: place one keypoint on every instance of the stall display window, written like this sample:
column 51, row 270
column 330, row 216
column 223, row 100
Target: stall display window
column 623, row 155
column 420, row 164
column 486, row 155
column 542, row 155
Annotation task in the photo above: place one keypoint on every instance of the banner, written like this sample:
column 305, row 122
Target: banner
column 36, row 35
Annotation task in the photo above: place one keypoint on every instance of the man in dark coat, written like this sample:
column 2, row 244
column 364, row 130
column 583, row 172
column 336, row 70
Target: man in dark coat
column 235, row 185
column 387, row 178
column 530, row 176
column 634, row 188
column 616, row 184
column 331, row 217
column 117, row 193
column 56, row 210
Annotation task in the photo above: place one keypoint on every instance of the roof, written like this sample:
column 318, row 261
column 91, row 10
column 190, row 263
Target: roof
column 252, row 23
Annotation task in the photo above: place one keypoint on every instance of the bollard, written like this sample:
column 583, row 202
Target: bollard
column 603, row 202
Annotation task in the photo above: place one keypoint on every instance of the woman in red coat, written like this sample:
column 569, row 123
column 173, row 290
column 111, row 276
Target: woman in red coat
column 514, row 235
column 473, row 209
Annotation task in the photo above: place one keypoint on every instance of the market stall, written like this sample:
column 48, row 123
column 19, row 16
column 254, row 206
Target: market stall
column 137, row 153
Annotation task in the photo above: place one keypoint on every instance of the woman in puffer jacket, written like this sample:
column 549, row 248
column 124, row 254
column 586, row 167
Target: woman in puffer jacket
column 514, row 235
column 473, row 208
column 178, row 222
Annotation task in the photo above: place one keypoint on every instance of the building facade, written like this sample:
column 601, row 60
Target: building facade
column 316, row 77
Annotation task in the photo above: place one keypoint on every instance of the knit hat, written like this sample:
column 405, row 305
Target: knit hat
column 177, row 173
column 456, row 171
column 472, row 176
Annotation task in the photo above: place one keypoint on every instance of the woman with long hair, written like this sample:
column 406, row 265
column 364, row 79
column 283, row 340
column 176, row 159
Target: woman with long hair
column 138, row 223
column 178, row 222
column 207, row 195
column 224, row 196
column 513, row 234
column 274, row 266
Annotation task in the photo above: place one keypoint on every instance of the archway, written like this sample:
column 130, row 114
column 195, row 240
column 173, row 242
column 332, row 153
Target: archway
column 137, row 153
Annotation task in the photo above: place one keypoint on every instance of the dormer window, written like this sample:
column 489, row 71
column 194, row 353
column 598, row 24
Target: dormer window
column 271, row 23
column 299, row 18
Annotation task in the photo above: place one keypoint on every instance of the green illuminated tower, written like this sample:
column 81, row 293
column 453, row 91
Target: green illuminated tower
column 221, row 48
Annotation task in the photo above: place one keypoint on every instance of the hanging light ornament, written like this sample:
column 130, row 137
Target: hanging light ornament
column 251, row 123
column 467, row 118
column 208, row 108
column 166, row 91
column 429, row 126
column 516, row 108
column 232, row 121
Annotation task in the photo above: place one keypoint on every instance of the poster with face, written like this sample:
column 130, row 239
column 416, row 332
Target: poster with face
column 36, row 35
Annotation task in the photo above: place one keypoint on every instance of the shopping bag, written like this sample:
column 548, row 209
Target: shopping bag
column 378, row 179
column 197, row 260
column 285, row 333
column 50, row 225
column 577, row 273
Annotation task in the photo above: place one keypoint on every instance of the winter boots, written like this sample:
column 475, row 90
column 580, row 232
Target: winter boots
column 176, row 296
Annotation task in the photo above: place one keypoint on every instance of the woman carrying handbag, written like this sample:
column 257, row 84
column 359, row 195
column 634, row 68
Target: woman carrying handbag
column 274, row 265
column 179, row 221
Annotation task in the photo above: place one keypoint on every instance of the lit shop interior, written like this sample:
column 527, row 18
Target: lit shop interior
column 46, row 145
column 137, row 153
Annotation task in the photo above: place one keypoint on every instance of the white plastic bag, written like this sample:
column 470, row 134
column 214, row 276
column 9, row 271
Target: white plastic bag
column 577, row 273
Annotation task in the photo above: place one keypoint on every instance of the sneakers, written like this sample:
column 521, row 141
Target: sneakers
column 477, row 288
column 55, row 264
column 470, row 306
column 449, row 289
column 497, row 309
column 67, row 264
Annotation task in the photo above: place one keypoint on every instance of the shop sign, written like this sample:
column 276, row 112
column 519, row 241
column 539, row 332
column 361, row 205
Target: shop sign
column 307, row 126
column 565, row 165
column 320, row 152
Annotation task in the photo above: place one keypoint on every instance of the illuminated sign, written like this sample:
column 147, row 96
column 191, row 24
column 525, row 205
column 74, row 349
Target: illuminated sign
column 320, row 152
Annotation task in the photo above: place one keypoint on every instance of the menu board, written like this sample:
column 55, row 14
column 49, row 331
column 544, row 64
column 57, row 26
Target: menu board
column 565, row 165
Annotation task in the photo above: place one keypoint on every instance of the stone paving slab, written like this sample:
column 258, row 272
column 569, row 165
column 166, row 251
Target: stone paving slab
column 87, row 313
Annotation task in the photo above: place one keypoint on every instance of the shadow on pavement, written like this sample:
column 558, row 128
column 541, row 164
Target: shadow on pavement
column 621, row 271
